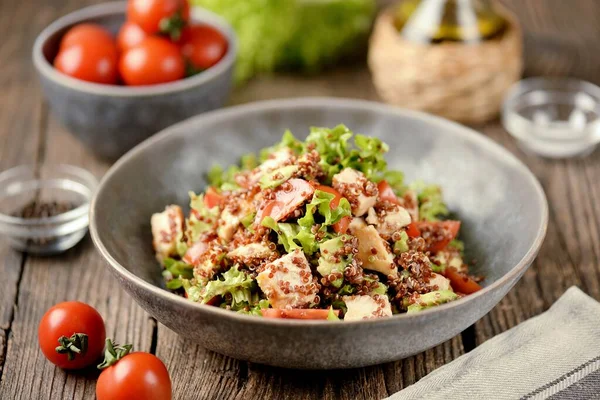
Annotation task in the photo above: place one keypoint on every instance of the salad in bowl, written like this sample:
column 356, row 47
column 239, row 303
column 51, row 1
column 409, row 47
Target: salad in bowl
column 319, row 229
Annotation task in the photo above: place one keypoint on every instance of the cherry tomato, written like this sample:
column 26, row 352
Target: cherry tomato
column 342, row 225
column 153, row 16
column 130, row 35
column 61, row 335
column 461, row 282
column 386, row 192
column 155, row 60
column 297, row 313
column 412, row 230
column 136, row 376
column 438, row 234
column 89, row 53
column 203, row 46
column 86, row 32
column 212, row 198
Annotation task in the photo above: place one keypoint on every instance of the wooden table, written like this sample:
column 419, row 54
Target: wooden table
column 561, row 40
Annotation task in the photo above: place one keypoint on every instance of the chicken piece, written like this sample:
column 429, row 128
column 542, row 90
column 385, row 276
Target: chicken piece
column 231, row 217
column 440, row 281
column 251, row 254
column 167, row 229
column 372, row 250
column 288, row 198
column 354, row 186
column 366, row 307
column 287, row 282
column 207, row 263
column 389, row 220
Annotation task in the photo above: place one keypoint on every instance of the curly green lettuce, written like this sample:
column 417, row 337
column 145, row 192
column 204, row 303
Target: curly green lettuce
column 303, row 34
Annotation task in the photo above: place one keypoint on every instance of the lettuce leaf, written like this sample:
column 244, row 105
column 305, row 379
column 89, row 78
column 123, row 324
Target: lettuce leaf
column 287, row 140
column 253, row 309
column 238, row 284
column 177, row 268
column 331, row 315
column 332, row 145
column 196, row 227
column 368, row 157
column 223, row 179
column 431, row 203
column 292, row 236
column 321, row 203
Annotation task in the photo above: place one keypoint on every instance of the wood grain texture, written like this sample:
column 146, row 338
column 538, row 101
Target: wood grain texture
column 560, row 40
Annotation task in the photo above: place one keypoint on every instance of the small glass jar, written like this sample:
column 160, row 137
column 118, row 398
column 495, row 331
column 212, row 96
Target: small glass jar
column 65, row 188
column 554, row 117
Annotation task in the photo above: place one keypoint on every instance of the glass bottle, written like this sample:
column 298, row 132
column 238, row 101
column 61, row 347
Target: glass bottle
column 437, row 21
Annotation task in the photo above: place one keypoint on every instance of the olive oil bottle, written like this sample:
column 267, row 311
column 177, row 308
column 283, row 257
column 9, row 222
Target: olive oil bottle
column 438, row 21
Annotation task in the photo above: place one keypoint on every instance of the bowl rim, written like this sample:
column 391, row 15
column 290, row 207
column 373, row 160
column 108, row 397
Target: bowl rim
column 319, row 102
column 45, row 68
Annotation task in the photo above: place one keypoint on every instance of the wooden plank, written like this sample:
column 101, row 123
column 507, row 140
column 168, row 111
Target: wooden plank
column 202, row 374
column 21, row 119
column 79, row 274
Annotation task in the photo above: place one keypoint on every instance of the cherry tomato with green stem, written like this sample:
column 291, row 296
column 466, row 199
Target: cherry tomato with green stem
column 71, row 335
column 132, row 376
column 159, row 16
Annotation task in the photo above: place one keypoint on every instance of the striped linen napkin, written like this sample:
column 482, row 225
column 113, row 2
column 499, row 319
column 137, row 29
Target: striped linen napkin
column 555, row 355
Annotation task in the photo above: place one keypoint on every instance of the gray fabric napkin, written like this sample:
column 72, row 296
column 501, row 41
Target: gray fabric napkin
column 555, row 355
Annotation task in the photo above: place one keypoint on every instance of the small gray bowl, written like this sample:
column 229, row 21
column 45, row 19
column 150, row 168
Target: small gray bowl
column 502, row 206
column 111, row 119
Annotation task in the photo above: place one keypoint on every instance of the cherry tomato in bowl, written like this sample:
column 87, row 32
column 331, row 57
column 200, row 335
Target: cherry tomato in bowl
column 202, row 46
column 71, row 335
column 130, row 35
column 164, row 16
column 155, row 60
column 88, row 52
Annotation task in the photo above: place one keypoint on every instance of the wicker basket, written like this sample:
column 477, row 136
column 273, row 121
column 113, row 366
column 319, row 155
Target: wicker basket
column 466, row 83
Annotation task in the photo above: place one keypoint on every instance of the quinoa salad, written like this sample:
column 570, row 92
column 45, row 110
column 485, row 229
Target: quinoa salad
column 319, row 229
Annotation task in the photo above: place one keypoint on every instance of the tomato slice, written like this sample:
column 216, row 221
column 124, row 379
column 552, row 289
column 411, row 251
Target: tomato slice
column 342, row 225
column 288, row 197
column 438, row 234
column 386, row 192
column 412, row 230
column 461, row 282
column 212, row 198
column 297, row 313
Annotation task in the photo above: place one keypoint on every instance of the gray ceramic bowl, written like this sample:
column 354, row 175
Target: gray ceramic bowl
column 501, row 203
column 111, row 119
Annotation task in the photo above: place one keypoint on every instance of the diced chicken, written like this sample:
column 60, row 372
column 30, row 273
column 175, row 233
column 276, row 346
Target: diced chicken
column 287, row 282
column 450, row 258
column 440, row 281
column 411, row 203
column 372, row 250
column 354, row 186
column 209, row 262
column 288, row 198
column 390, row 220
column 229, row 221
column 250, row 254
column 366, row 307
column 277, row 159
column 167, row 228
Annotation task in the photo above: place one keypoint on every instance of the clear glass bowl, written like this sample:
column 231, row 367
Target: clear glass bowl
column 64, row 184
column 554, row 117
